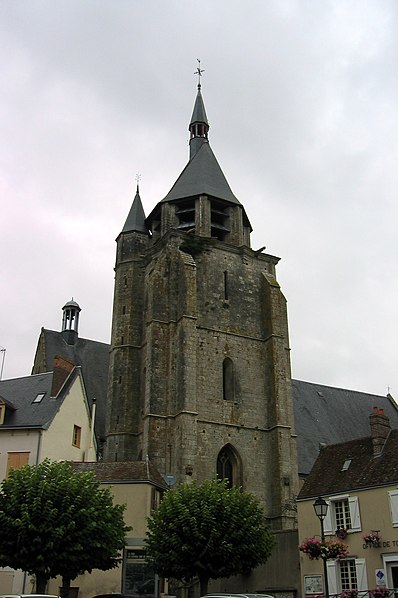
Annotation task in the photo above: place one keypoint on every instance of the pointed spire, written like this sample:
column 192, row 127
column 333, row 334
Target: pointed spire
column 136, row 218
column 199, row 125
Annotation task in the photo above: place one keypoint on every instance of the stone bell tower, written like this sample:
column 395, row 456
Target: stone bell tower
column 200, row 371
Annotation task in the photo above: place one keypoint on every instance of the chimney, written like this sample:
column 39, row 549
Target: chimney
column 61, row 370
column 380, row 429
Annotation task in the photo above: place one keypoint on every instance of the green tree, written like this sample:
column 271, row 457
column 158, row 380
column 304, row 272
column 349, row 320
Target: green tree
column 207, row 531
column 56, row 521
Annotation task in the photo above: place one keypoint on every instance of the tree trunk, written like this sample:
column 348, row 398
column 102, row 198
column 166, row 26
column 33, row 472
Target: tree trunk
column 41, row 582
column 204, row 582
column 65, row 588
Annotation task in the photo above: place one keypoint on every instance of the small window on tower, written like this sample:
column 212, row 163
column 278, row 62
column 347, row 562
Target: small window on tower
column 228, row 380
column 225, row 285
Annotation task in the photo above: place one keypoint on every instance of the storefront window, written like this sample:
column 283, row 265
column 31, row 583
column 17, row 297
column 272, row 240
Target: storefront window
column 139, row 578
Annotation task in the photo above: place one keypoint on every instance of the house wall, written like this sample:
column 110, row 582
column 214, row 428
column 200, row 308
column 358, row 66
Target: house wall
column 18, row 441
column 374, row 514
column 55, row 444
column 138, row 499
column 57, row 441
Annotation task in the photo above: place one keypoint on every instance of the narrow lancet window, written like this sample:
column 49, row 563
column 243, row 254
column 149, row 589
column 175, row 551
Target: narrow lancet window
column 228, row 380
column 225, row 285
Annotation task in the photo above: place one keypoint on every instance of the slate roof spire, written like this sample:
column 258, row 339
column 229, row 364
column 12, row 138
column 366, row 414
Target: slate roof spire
column 202, row 175
column 136, row 218
column 199, row 125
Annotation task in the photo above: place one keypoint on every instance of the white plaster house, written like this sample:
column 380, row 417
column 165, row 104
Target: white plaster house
column 43, row 416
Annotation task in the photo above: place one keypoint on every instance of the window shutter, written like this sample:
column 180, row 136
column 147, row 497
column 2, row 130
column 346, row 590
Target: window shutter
column 354, row 512
column 393, row 496
column 327, row 522
column 332, row 577
column 360, row 566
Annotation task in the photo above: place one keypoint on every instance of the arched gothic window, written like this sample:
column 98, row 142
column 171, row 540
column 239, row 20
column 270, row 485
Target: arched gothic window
column 229, row 466
column 228, row 379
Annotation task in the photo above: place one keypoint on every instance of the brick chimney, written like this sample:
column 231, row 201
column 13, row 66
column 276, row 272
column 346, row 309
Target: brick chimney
column 61, row 370
column 380, row 429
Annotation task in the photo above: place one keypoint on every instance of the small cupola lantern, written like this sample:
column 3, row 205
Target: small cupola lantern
column 70, row 321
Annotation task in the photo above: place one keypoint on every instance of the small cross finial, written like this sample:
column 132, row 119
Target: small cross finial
column 199, row 72
column 138, row 178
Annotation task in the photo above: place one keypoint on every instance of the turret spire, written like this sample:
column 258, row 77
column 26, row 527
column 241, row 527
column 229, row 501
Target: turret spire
column 199, row 125
column 136, row 218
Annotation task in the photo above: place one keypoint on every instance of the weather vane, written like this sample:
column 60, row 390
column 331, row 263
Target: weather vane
column 199, row 72
column 138, row 178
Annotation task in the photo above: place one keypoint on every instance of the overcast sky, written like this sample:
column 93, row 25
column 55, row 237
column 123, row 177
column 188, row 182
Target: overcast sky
column 302, row 101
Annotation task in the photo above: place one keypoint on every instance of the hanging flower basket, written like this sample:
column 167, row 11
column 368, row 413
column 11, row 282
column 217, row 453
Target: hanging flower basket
column 311, row 547
column 372, row 538
column 330, row 549
column 342, row 533
column 336, row 549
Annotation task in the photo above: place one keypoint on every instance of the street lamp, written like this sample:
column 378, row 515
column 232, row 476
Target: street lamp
column 321, row 509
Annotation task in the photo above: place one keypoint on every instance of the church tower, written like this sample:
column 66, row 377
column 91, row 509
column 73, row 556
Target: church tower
column 200, row 377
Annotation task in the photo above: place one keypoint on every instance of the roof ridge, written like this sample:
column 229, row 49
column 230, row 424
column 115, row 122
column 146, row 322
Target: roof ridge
column 362, row 392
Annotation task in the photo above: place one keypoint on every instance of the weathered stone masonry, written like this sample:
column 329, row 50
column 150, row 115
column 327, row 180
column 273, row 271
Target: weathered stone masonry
column 200, row 367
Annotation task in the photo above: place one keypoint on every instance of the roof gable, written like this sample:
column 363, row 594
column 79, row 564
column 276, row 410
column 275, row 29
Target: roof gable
column 93, row 357
column 365, row 470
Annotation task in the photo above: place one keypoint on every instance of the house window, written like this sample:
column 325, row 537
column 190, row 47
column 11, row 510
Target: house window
column 393, row 496
column 155, row 499
column 348, row 575
column 77, row 432
column 2, row 412
column 16, row 460
column 343, row 512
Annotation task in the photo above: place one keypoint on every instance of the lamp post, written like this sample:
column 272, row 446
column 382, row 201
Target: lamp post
column 321, row 509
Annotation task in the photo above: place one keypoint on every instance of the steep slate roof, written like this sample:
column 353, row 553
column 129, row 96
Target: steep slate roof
column 93, row 357
column 21, row 392
column 326, row 415
column 364, row 471
column 132, row 471
column 202, row 176
column 136, row 217
column 199, row 111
